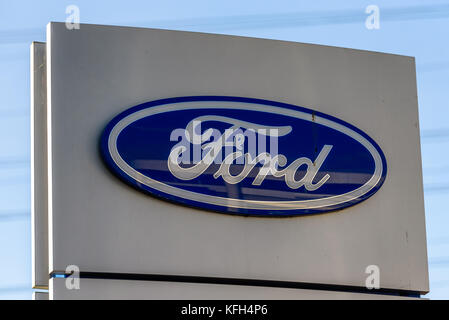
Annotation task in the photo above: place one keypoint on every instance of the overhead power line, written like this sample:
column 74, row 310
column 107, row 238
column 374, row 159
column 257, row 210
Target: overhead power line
column 12, row 216
column 435, row 133
column 304, row 19
column 263, row 21
column 16, row 288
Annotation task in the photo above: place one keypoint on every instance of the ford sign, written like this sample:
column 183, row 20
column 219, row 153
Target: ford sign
column 243, row 156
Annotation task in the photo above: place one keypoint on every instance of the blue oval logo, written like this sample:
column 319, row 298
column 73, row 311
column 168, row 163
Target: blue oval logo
column 243, row 156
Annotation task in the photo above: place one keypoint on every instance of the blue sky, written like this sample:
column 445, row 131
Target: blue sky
column 414, row 28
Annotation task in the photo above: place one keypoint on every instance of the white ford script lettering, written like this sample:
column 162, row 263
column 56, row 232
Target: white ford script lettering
column 209, row 152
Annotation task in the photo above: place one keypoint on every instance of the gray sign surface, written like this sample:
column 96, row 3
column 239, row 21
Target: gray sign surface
column 100, row 224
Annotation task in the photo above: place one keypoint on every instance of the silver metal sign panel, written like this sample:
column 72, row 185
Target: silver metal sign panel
column 99, row 223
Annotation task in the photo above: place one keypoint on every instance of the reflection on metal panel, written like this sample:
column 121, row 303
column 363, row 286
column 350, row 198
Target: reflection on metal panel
column 39, row 207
